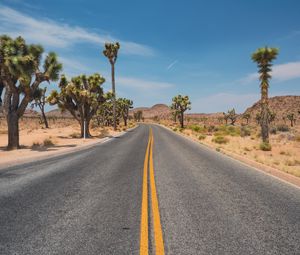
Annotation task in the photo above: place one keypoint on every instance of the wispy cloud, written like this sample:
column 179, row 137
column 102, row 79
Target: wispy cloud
column 54, row 34
column 282, row 72
column 172, row 64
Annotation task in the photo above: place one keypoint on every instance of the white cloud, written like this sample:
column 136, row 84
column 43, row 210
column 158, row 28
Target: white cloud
column 54, row 34
column 282, row 72
column 141, row 84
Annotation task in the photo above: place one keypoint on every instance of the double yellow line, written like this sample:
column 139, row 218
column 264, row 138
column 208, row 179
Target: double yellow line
column 144, row 234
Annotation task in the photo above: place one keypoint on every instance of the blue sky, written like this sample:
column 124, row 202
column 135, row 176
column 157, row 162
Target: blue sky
column 196, row 48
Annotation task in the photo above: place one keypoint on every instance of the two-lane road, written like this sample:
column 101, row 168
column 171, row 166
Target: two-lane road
column 90, row 202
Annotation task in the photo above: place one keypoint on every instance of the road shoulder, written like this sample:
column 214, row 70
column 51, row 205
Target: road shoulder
column 23, row 156
column 288, row 178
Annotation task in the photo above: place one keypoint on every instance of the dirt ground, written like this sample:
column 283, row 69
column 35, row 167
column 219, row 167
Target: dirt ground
column 284, row 155
column 38, row 142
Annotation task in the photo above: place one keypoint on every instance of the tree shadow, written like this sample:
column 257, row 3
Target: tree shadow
column 51, row 148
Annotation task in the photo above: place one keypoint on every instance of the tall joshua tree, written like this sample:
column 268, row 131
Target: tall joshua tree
column 183, row 103
column 264, row 57
column 21, row 75
column 111, row 52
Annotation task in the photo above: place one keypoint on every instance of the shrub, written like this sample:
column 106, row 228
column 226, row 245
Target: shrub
column 195, row 128
column 220, row 140
column 265, row 146
column 283, row 128
column 218, row 149
column 75, row 135
column 201, row 137
column 174, row 129
column 181, row 129
column 245, row 131
column 48, row 142
column 227, row 130
column 35, row 145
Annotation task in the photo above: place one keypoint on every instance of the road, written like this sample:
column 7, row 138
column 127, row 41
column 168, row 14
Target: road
column 146, row 191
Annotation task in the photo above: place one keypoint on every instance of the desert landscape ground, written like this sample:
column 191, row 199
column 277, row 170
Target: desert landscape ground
column 37, row 142
column 149, row 127
column 241, row 138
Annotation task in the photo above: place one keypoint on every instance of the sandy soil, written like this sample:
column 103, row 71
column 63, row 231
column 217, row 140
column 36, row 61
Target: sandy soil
column 284, row 156
column 38, row 142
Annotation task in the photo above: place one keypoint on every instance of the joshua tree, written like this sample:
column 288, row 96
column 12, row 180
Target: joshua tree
column 264, row 57
column 138, row 116
column 21, row 75
column 232, row 116
column 182, row 103
column 124, row 105
column 111, row 52
column 226, row 117
column 247, row 117
column 39, row 97
column 291, row 118
column 174, row 111
column 81, row 97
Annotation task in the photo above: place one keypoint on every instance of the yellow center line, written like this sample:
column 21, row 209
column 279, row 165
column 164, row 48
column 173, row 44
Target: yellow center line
column 144, row 234
column 158, row 236
column 144, row 217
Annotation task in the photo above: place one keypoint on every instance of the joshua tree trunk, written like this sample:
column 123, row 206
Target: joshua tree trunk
column 85, row 130
column 114, row 95
column 264, row 115
column 11, row 103
column 181, row 120
column 45, row 118
column 125, row 120
column 13, row 131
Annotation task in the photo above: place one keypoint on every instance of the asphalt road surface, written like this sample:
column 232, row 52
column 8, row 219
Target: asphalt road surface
column 102, row 200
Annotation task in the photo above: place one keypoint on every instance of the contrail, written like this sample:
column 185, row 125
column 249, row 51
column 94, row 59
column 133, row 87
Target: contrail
column 172, row 64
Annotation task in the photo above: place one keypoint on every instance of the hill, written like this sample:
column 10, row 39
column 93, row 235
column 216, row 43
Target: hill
column 161, row 111
column 280, row 105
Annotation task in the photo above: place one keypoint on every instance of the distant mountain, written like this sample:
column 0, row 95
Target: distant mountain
column 160, row 110
column 280, row 105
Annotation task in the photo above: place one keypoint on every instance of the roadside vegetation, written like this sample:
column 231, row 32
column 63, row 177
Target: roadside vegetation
column 24, row 77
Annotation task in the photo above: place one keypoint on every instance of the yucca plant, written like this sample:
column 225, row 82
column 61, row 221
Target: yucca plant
column 182, row 104
column 21, row 73
column 264, row 57
column 81, row 96
column 111, row 52
column 39, row 97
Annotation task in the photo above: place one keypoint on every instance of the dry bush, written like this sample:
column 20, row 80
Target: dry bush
column 220, row 140
column 48, row 142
